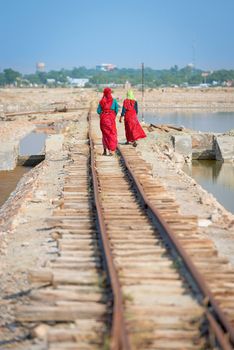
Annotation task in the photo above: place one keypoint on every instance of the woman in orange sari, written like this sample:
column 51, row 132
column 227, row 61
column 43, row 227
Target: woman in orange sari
column 108, row 109
column 133, row 129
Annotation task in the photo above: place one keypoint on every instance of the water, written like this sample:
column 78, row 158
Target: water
column 9, row 180
column 32, row 144
column 216, row 177
column 200, row 121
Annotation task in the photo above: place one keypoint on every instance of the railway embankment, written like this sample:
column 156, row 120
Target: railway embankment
column 31, row 232
column 213, row 219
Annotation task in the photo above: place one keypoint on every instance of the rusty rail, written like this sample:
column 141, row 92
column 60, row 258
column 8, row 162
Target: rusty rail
column 218, row 322
column 119, row 337
column 49, row 111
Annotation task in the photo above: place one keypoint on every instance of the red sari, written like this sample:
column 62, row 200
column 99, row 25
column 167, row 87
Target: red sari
column 108, row 124
column 133, row 129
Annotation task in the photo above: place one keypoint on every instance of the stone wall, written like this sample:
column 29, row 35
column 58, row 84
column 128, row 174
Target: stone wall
column 204, row 146
column 224, row 148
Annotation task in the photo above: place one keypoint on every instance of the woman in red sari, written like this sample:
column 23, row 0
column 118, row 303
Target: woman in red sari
column 133, row 129
column 108, row 109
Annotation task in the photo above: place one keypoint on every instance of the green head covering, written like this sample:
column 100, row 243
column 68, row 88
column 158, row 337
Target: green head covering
column 130, row 95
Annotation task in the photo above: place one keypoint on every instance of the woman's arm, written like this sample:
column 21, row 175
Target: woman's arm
column 123, row 111
column 122, row 114
column 99, row 109
column 136, row 107
column 116, row 107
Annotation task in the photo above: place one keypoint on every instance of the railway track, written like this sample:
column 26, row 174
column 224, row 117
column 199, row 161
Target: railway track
column 122, row 279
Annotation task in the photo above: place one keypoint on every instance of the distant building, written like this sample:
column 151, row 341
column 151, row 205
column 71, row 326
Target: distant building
column 77, row 82
column 190, row 65
column 40, row 66
column 106, row 67
column 50, row 81
column 229, row 83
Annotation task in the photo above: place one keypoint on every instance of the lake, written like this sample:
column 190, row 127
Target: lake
column 31, row 144
column 200, row 121
column 215, row 177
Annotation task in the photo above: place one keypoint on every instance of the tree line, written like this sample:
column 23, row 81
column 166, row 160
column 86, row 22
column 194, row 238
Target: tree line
column 152, row 77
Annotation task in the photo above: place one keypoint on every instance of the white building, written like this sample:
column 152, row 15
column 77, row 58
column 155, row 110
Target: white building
column 106, row 67
column 40, row 66
column 77, row 82
column 50, row 81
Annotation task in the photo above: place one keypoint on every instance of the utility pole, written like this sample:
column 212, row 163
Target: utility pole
column 142, row 90
column 194, row 54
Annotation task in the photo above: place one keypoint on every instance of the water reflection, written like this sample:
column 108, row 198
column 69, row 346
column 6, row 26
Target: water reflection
column 200, row 121
column 9, row 180
column 216, row 177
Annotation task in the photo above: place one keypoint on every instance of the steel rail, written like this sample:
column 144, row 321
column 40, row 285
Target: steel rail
column 221, row 327
column 49, row 111
column 119, row 336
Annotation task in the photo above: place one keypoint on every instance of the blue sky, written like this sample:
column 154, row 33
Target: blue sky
column 161, row 33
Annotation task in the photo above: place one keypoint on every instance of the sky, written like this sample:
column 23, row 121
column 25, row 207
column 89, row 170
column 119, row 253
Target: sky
column 73, row 33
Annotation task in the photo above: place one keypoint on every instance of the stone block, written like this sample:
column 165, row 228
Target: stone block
column 183, row 144
column 8, row 155
column 224, row 148
column 202, row 141
column 203, row 146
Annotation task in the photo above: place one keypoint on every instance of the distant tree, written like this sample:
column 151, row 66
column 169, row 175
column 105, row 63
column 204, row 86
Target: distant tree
column 42, row 76
column 195, row 79
column 80, row 72
column 221, row 76
column 174, row 69
column 10, row 75
column 2, row 79
column 153, row 77
column 57, row 75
